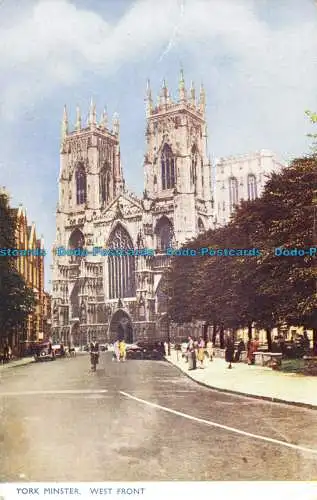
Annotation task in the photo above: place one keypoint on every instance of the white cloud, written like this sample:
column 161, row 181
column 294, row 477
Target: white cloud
column 55, row 42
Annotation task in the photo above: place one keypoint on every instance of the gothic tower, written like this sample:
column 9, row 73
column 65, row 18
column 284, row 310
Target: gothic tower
column 90, row 180
column 87, row 153
column 177, row 169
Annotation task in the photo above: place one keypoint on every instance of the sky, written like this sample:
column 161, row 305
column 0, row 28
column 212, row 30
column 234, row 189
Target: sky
column 256, row 59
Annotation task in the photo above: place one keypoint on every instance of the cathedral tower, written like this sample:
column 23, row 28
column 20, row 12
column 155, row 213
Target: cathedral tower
column 89, row 153
column 176, row 165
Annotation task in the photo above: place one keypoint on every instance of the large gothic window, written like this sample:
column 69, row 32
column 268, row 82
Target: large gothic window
column 105, row 186
column 252, row 191
column 233, row 193
column 81, row 185
column 168, row 168
column 164, row 234
column 121, row 269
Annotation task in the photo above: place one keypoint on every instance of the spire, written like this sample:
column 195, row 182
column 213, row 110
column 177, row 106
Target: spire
column 64, row 124
column 202, row 99
column 116, row 124
column 164, row 93
column 192, row 94
column 104, row 119
column 78, row 119
column 92, row 114
column 181, row 87
column 148, row 99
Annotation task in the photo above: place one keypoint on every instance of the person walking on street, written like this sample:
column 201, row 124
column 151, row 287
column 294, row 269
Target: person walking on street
column 201, row 352
column 229, row 352
column 252, row 348
column 210, row 349
column 6, row 353
column 241, row 348
column 122, row 350
column 116, row 351
column 191, row 354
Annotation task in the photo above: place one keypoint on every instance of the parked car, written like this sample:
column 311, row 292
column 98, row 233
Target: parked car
column 59, row 350
column 145, row 350
column 44, row 352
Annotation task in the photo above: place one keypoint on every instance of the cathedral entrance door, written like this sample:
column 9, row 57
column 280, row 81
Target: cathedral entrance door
column 121, row 327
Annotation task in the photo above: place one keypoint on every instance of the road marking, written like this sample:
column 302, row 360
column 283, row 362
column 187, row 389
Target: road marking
column 44, row 393
column 221, row 426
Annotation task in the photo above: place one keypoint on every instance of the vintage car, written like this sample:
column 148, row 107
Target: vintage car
column 145, row 350
column 59, row 350
column 44, row 352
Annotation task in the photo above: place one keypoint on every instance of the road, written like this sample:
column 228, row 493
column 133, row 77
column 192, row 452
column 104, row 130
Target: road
column 61, row 422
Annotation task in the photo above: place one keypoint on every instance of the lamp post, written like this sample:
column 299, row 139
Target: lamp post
column 168, row 336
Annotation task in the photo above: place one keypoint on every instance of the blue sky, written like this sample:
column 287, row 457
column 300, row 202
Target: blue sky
column 256, row 58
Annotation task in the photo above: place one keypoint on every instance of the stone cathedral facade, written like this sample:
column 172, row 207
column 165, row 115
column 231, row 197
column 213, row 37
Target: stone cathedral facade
column 110, row 296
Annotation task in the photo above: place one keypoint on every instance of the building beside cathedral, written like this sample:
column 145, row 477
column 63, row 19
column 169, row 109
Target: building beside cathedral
column 107, row 296
column 241, row 178
column 31, row 268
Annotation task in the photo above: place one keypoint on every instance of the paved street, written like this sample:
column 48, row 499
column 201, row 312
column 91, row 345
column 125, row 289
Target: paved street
column 144, row 420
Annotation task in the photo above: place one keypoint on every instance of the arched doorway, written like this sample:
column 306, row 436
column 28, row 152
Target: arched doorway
column 121, row 327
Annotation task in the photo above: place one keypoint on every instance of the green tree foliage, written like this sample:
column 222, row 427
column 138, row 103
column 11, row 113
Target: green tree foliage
column 313, row 119
column 17, row 301
column 265, row 290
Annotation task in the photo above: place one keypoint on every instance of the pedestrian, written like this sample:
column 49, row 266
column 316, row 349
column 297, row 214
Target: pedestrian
column 229, row 352
column 210, row 349
column 6, row 353
column 201, row 352
column 253, row 347
column 241, row 348
column 116, row 351
column 122, row 350
column 191, row 354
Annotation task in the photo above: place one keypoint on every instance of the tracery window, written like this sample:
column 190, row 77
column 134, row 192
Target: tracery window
column 168, row 168
column 193, row 166
column 252, row 189
column 233, row 193
column 81, row 185
column 105, row 186
column 121, row 269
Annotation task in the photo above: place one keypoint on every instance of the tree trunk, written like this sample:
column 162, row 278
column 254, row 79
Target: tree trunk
column 222, row 338
column 269, row 339
column 214, row 334
column 314, row 341
column 249, row 331
column 205, row 332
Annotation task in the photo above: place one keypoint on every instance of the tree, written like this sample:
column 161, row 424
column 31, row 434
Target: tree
column 266, row 290
column 313, row 119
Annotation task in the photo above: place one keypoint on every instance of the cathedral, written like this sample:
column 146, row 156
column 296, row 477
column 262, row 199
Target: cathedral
column 110, row 296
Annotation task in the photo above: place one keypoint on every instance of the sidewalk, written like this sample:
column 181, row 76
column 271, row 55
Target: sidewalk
column 254, row 381
column 17, row 362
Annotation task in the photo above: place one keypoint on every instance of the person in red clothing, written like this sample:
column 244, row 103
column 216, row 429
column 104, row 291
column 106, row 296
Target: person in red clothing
column 252, row 348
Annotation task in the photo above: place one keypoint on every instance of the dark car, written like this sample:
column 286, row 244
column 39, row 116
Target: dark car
column 146, row 350
column 44, row 352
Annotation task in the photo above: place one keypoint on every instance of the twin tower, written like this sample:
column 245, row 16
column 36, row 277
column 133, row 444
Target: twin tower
column 175, row 161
